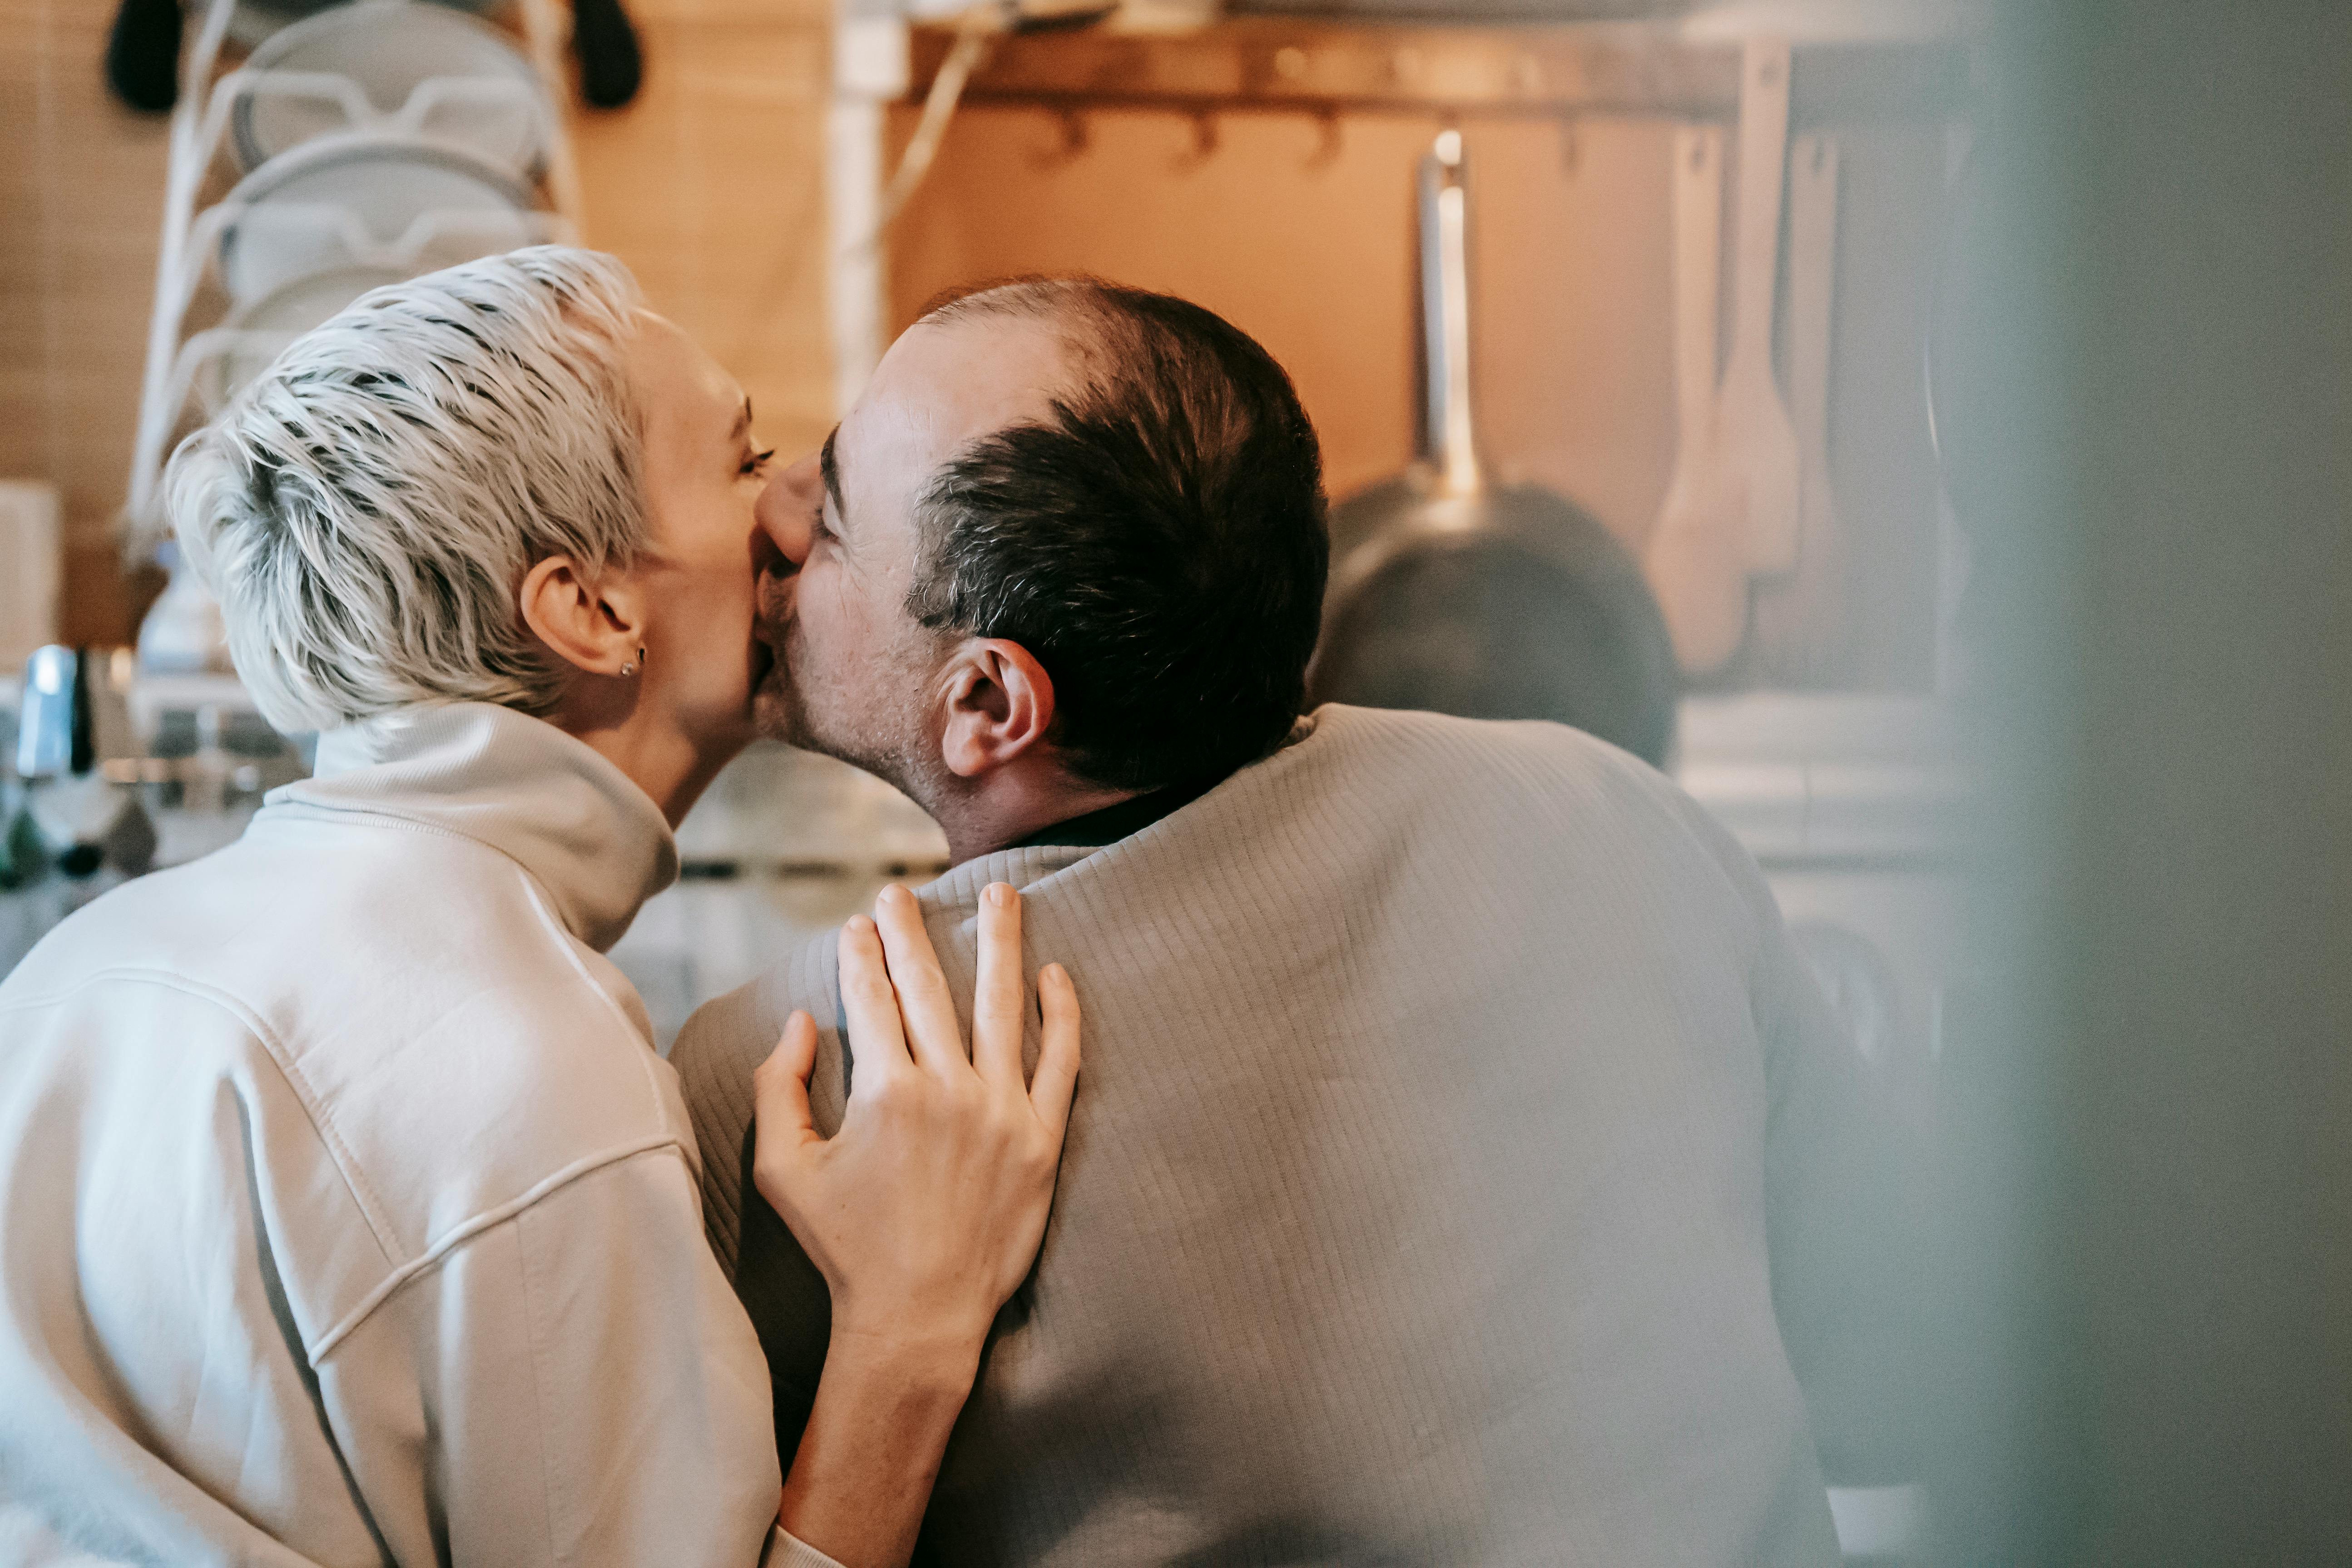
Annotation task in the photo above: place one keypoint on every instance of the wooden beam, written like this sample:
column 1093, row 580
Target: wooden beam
column 1320, row 68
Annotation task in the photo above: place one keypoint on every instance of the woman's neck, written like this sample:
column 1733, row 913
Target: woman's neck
column 658, row 756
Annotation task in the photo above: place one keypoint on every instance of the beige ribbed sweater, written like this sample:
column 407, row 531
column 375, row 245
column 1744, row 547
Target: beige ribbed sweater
column 1444, row 1084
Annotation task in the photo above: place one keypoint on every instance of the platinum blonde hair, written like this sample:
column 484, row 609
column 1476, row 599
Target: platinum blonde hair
column 366, row 508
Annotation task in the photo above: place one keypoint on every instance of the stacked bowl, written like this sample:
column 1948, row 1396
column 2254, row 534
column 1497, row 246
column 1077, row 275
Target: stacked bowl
column 363, row 142
column 376, row 140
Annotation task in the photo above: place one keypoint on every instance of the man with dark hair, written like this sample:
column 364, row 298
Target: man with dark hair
column 1139, row 546
column 1465, row 1171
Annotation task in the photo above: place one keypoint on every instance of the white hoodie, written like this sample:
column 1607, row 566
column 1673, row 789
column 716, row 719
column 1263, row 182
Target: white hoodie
column 347, row 1215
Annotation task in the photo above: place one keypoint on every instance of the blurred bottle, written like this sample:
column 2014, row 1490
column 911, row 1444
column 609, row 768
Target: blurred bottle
column 69, row 817
column 183, row 634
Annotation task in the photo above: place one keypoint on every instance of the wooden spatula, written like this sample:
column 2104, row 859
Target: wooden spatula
column 1695, row 559
column 1760, row 445
column 1801, row 620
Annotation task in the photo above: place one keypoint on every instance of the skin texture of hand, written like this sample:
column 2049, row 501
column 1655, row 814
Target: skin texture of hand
column 923, row 1212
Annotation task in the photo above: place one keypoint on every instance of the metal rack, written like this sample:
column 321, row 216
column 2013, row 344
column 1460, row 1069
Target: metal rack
column 191, row 234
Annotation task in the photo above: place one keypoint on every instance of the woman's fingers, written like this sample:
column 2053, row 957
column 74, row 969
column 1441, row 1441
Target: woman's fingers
column 1058, row 1058
column 997, row 994
column 877, row 1045
column 780, row 1103
column 933, row 1032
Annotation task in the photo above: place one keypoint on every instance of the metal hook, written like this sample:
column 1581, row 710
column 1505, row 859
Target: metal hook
column 1073, row 140
column 1204, row 139
column 1330, row 139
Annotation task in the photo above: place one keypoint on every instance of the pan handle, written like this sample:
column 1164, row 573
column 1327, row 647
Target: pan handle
column 1446, row 313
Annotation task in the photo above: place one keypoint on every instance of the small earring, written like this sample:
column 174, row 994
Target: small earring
column 631, row 668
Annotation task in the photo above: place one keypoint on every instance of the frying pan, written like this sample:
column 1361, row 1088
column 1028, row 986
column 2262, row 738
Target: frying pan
column 1456, row 593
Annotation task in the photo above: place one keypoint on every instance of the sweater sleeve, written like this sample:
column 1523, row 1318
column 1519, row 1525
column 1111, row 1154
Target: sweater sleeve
column 782, row 1290
column 1844, row 1223
column 592, row 1392
column 1844, row 1211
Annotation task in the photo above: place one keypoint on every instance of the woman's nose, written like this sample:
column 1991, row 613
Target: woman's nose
column 786, row 506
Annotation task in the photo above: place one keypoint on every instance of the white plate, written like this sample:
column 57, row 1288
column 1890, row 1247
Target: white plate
column 302, row 200
column 388, row 48
column 254, row 20
column 284, row 315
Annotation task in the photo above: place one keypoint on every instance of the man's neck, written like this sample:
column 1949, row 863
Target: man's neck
column 1008, row 805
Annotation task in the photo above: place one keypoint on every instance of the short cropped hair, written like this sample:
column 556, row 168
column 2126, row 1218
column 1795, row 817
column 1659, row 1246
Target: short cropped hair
column 366, row 508
column 1157, row 543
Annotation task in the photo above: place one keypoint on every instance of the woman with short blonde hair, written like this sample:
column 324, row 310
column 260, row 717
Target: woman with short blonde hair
column 351, row 1215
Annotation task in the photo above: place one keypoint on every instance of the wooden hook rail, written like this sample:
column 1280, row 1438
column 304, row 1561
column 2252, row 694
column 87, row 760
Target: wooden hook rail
column 1279, row 64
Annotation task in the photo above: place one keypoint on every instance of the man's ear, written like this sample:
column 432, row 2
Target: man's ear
column 1000, row 705
column 596, row 627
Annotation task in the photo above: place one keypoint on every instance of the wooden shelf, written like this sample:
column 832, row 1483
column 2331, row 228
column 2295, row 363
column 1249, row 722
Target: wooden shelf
column 1322, row 67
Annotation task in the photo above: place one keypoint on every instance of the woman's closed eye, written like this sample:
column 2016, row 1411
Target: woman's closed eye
column 757, row 463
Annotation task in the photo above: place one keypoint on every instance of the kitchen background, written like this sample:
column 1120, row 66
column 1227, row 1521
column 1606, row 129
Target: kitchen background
column 1834, row 709
column 1263, row 166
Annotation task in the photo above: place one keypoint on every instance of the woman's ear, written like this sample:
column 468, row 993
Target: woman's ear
column 999, row 706
column 597, row 627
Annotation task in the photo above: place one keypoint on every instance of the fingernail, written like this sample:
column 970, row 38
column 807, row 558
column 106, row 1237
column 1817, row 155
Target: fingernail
column 1000, row 894
column 857, row 925
column 892, row 893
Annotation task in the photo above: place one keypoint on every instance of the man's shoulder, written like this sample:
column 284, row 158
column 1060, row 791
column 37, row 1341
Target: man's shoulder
column 730, row 1034
column 1447, row 744
column 1416, row 765
column 715, row 1053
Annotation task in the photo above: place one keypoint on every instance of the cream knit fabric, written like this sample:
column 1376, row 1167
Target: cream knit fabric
column 1455, row 1114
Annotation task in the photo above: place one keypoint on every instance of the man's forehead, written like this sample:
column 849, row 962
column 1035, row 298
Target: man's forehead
column 945, row 384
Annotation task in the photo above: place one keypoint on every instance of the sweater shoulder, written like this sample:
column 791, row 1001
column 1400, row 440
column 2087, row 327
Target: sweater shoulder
column 1448, row 746
column 715, row 1055
column 1441, row 760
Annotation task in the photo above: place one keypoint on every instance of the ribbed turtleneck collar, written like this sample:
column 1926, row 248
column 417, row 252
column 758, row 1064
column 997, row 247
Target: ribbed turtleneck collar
column 581, row 826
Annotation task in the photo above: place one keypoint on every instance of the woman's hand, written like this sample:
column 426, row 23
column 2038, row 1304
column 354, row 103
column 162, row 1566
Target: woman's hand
column 923, row 1212
column 926, row 1209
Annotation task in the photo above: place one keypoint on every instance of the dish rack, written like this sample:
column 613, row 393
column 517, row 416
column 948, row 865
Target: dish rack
column 208, row 112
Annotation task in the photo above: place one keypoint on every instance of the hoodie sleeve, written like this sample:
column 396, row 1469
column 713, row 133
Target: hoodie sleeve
column 781, row 1290
column 587, row 1391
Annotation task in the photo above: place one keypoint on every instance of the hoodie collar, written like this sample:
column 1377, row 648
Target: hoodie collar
column 581, row 827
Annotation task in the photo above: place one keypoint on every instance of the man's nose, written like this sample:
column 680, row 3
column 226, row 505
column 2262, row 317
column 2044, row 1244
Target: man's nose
column 785, row 508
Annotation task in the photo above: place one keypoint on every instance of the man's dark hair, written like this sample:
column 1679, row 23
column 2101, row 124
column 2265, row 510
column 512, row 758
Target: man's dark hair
column 1157, row 543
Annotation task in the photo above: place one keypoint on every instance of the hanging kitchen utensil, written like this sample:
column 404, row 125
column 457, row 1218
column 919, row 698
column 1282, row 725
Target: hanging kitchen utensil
column 1800, row 627
column 1696, row 558
column 611, row 65
column 142, row 55
column 1760, row 445
column 1455, row 594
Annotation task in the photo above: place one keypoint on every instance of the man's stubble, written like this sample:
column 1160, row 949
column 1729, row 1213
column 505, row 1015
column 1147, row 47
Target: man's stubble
column 870, row 717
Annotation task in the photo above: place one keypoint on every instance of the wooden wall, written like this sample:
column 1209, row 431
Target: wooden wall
column 707, row 185
column 81, row 192
column 710, row 186
column 1302, row 236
